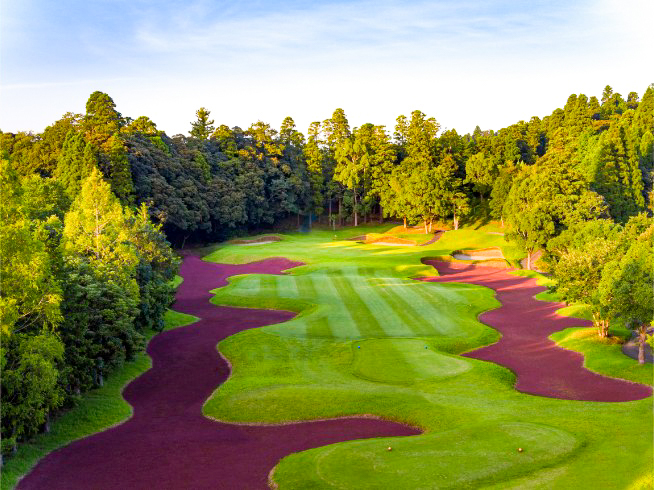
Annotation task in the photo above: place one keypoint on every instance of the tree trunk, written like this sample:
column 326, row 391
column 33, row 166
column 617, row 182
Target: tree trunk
column 330, row 210
column 456, row 222
column 405, row 222
column 601, row 324
column 340, row 217
column 46, row 427
column 310, row 221
column 528, row 260
column 642, row 337
column 502, row 221
column 425, row 227
column 381, row 214
column 356, row 214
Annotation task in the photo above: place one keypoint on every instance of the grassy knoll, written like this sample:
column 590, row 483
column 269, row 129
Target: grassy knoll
column 97, row 410
column 370, row 340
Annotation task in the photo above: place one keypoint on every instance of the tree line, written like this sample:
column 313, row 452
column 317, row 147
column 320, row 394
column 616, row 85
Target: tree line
column 90, row 204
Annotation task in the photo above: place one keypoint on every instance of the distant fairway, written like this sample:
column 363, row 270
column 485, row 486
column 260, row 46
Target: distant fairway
column 358, row 302
column 371, row 340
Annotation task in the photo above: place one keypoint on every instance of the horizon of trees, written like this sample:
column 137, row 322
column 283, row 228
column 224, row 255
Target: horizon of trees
column 89, row 207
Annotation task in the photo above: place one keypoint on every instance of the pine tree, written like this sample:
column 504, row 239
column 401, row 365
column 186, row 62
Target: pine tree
column 202, row 127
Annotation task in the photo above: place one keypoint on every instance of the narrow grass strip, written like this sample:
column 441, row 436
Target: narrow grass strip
column 387, row 316
column 365, row 320
column 406, row 311
column 269, row 285
column 342, row 324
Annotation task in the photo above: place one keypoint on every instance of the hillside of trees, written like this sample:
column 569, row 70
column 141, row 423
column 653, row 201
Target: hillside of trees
column 90, row 206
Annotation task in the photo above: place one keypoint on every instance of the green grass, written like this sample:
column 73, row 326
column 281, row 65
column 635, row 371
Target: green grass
column 97, row 410
column 370, row 340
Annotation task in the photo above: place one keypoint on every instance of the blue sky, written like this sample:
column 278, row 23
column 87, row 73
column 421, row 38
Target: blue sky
column 466, row 63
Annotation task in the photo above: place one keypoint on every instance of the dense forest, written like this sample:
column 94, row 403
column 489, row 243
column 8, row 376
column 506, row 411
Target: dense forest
column 90, row 206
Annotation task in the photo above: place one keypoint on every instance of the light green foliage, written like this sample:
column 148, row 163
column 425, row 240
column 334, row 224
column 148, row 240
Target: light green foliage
column 580, row 254
column 102, row 120
column 626, row 286
column 202, row 127
column 481, row 171
column 75, row 163
column 96, row 225
column 29, row 294
column 543, row 200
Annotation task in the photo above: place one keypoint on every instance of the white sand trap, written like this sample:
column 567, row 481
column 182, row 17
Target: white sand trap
column 487, row 254
column 389, row 244
column 254, row 243
column 495, row 233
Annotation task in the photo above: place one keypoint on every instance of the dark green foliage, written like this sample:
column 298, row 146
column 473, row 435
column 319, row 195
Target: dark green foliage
column 29, row 389
column 98, row 330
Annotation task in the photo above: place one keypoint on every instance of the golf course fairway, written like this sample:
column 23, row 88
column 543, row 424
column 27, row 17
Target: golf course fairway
column 370, row 339
column 320, row 362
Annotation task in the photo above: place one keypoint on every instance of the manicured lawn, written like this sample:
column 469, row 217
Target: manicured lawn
column 370, row 340
column 97, row 410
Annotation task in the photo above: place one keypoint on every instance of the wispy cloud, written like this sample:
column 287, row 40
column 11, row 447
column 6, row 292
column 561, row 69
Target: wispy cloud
column 487, row 62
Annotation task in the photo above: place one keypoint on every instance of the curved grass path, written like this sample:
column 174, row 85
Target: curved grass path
column 168, row 443
column 526, row 323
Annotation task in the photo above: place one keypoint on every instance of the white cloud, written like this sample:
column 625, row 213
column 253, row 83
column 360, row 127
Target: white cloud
column 466, row 63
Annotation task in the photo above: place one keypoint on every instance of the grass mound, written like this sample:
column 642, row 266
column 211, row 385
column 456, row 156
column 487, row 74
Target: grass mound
column 459, row 458
column 372, row 358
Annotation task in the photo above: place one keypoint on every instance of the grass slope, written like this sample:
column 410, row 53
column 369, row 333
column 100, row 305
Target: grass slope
column 369, row 340
column 97, row 410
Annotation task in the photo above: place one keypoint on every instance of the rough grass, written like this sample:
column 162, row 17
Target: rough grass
column 369, row 340
column 97, row 410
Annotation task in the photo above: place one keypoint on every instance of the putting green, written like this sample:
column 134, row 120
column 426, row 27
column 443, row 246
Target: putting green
column 351, row 294
column 460, row 458
column 410, row 361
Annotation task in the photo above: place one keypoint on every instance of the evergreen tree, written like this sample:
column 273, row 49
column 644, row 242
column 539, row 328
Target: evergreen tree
column 202, row 127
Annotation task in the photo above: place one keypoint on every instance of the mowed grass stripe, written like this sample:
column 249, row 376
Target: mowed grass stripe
column 421, row 303
column 269, row 285
column 250, row 285
column 366, row 322
column 407, row 312
column 287, row 287
column 316, row 326
column 340, row 320
column 393, row 324
column 439, row 321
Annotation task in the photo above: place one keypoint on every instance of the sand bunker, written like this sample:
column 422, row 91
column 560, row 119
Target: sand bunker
column 481, row 254
column 263, row 240
column 395, row 244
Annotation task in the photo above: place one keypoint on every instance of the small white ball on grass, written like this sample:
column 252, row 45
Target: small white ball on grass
column 520, row 449
column 389, row 448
